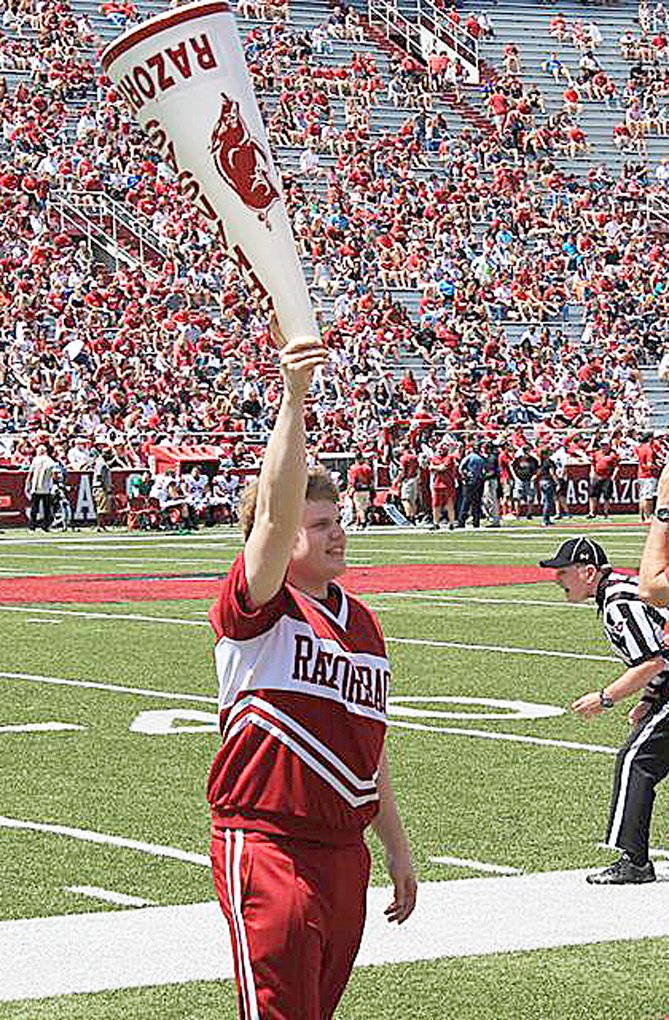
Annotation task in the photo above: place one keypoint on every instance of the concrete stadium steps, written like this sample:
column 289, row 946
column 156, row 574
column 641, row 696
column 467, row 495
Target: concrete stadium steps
column 521, row 22
column 656, row 391
column 527, row 26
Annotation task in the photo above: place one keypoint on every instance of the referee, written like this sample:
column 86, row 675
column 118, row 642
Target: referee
column 635, row 631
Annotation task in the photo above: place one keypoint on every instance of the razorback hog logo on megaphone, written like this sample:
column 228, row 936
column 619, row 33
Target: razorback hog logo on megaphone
column 241, row 161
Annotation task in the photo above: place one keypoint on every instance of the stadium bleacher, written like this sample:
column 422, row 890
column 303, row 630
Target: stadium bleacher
column 437, row 233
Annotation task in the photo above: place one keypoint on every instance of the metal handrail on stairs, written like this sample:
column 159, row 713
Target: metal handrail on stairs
column 657, row 211
column 107, row 225
column 429, row 32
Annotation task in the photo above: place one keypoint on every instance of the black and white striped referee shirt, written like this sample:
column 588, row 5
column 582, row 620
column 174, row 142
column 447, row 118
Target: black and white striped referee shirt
column 635, row 630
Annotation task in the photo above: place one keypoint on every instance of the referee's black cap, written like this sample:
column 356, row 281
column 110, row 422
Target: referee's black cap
column 577, row 550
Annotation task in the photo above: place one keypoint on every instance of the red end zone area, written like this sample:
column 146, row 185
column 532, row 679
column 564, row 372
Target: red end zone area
column 173, row 587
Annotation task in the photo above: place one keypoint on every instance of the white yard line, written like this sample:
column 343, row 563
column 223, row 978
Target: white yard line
column 90, row 614
column 58, row 559
column 465, row 917
column 93, row 540
column 95, row 685
column 501, row 649
column 465, row 599
column 401, row 724
column 512, row 738
column 105, row 839
column 108, row 896
column 465, row 862
column 75, row 557
column 9, row 574
column 233, row 537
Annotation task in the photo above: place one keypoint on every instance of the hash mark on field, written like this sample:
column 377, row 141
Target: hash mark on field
column 108, row 896
column 465, row 862
column 40, row 727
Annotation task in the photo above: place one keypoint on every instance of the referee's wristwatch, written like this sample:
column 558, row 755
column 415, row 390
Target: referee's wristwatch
column 662, row 514
column 605, row 700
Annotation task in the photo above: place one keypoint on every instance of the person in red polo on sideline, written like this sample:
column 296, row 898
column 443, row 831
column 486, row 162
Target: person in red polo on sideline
column 604, row 467
column 361, row 482
column 650, row 457
column 443, row 471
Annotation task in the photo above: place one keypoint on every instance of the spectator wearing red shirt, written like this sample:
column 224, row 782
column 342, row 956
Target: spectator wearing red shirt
column 650, row 457
column 407, row 480
column 443, row 472
column 361, row 482
column 604, row 467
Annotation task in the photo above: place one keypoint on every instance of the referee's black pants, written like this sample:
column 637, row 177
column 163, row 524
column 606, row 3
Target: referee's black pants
column 640, row 765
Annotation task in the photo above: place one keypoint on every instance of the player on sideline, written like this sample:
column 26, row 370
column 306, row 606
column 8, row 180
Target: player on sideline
column 301, row 771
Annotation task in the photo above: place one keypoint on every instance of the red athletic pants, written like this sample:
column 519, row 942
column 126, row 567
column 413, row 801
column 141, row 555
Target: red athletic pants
column 296, row 911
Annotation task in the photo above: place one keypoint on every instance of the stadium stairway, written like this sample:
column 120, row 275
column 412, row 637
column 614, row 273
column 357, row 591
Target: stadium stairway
column 527, row 25
column 521, row 22
column 656, row 391
column 385, row 117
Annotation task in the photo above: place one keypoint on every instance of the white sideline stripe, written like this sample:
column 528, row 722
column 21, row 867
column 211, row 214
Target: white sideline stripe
column 176, row 696
column 107, row 896
column 514, row 738
column 107, row 950
column 40, row 727
column 104, row 839
column 112, row 688
column 465, row 862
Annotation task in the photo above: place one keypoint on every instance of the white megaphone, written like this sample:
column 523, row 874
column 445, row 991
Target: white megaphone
column 184, row 76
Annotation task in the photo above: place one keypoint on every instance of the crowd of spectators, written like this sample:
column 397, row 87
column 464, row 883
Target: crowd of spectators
column 483, row 224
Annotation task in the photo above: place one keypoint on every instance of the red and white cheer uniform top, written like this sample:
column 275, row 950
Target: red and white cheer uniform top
column 303, row 687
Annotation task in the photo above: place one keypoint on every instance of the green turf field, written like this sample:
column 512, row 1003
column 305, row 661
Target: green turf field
column 470, row 784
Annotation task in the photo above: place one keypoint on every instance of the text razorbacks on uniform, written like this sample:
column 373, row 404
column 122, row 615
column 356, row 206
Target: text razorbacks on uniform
column 358, row 683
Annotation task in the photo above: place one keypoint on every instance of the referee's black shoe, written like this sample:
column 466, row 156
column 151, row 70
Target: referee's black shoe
column 624, row 872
